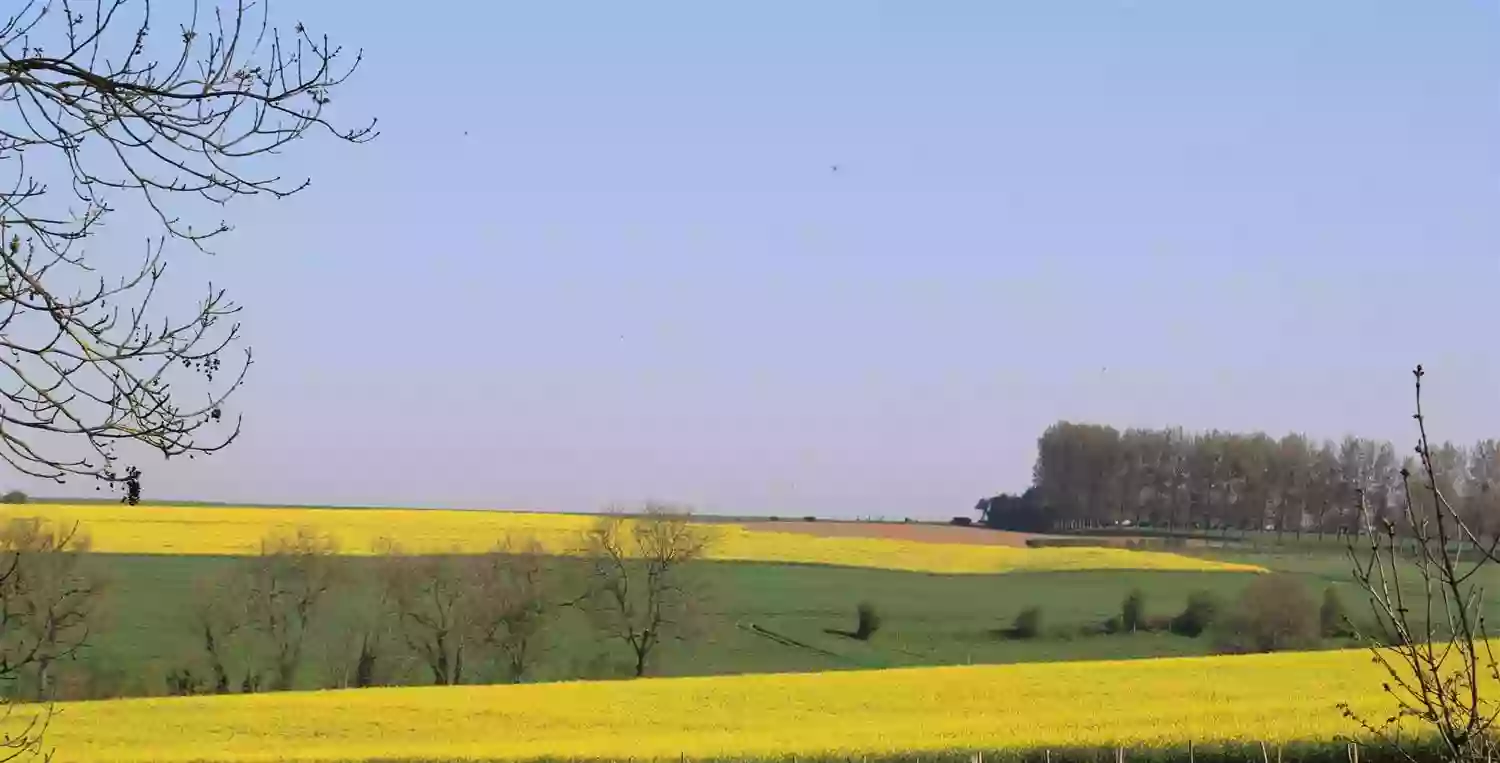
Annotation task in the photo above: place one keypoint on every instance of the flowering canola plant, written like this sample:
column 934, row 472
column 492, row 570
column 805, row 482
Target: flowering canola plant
column 238, row 531
column 1138, row 703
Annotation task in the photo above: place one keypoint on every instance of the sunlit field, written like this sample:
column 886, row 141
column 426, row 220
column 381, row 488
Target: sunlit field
column 238, row 531
column 1142, row 703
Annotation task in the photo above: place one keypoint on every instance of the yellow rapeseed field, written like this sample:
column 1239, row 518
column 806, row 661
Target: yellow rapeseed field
column 234, row 531
column 1273, row 698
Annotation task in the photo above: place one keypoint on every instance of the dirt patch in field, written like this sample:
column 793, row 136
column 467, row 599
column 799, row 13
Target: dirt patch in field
column 914, row 532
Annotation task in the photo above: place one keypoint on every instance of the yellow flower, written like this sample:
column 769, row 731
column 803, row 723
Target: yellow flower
column 1136, row 703
column 220, row 530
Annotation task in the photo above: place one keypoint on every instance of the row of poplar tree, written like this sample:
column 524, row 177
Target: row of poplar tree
column 1087, row 475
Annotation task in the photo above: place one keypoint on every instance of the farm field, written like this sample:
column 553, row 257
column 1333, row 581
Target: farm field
column 1277, row 699
column 234, row 531
column 769, row 669
column 752, row 609
column 930, row 619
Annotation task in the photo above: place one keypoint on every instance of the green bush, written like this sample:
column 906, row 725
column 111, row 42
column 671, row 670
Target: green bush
column 1275, row 612
column 1114, row 624
column 1332, row 618
column 1133, row 611
column 1199, row 614
column 14, row 496
column 1027, row 624
column 868, row 621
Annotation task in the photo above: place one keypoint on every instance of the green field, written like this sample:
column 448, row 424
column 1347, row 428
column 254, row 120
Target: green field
column 928, row 619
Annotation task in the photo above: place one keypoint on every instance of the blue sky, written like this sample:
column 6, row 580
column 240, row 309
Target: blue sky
column 599, row 254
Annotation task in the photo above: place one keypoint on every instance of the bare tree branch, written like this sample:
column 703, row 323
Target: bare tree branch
column 92, row 96
column 1428, row 630
column 642, row 589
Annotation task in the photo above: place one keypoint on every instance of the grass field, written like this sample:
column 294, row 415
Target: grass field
column 232, row 531
column 1142, row 704
column 929, row 619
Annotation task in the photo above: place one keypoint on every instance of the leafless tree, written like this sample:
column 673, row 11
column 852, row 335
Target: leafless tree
column 360, row 655
column 217, row 618
column 285, row 586
column 1422, row 574
column 431, row 599
column 106, row 104
column 516, row 594
column 53, row 602
column 642, row 585
column 47, row 601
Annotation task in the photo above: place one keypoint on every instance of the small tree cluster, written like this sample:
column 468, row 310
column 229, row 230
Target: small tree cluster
column 252, row 622
column 447, row 617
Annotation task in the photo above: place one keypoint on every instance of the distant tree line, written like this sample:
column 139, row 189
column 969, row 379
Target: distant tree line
column 1092, row 476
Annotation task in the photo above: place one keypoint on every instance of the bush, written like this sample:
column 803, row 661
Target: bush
column 1114, row 625
column 809, row 519
column 869, row 621
column 1274, row 612
column 1199, row 614
column 1156, row 623
column 14, row 496
column 1332, row 619
column 962, row 521
column 1028, row 624
column 1133, row 611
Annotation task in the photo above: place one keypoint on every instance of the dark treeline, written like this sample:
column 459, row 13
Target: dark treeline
column 1092, row 476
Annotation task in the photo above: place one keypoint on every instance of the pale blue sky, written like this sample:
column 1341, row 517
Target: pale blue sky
column 636, row 276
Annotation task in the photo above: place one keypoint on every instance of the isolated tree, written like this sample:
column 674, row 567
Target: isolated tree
column 107, row 107
column 642, row 585
column 1422, row 573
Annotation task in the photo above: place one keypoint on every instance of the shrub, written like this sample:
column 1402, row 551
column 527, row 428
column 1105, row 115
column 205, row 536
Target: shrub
column 962, row 521
column 1133, row 611
column 1274, row 612
column 1156, row 623
column 809, row 519
column 1114, row 625
column 1199, row 614
column 14, row 496
column 1028, row 624
column 869, row 621
column 1332, row 619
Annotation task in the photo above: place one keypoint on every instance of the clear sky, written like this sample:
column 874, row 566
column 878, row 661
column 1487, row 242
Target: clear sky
column 599, row 253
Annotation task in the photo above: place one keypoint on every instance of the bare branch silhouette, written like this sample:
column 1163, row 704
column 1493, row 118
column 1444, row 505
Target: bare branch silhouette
column 100, row 99
column 1428, row 631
